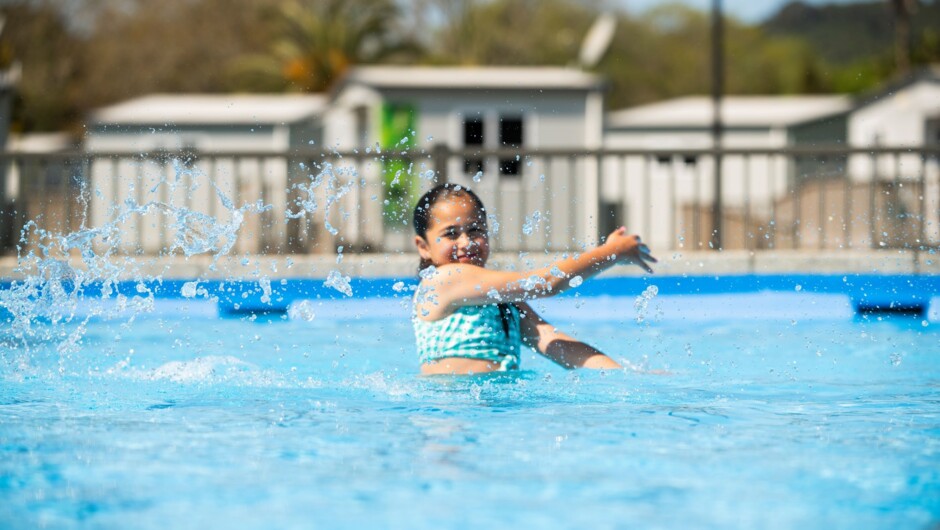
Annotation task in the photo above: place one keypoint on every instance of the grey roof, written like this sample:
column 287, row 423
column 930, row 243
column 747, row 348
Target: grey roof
column 929, row 73
column 212, row 109
column 472, row 77
column 736, row 111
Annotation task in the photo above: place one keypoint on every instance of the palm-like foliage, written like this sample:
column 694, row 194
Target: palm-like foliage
column 316, row 41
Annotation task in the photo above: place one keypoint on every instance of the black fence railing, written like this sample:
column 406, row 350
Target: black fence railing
column 317, row 201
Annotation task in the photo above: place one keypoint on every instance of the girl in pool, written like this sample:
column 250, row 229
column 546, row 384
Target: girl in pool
column 469, row 319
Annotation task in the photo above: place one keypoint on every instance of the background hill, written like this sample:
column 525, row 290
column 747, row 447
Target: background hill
column 846, row 33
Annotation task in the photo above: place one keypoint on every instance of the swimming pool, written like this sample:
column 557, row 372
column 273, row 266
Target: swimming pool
column 781, row 409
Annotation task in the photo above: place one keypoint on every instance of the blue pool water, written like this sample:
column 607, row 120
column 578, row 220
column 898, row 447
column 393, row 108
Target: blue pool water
column 779, row 410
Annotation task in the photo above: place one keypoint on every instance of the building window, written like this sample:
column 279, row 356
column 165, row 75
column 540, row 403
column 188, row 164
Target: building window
column 473, row 137
column 690, row 160
column 510, row 135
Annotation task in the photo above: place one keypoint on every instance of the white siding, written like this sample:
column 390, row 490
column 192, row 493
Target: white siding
column 896, row 120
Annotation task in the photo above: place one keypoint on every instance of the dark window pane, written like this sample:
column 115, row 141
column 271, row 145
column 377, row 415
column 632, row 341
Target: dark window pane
column 473, row 136
column 509, row 166
column 510, row 132
column 473, row 131
column 510, row 135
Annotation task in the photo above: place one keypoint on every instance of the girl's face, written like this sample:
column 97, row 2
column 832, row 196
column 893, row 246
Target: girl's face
column 456, row 233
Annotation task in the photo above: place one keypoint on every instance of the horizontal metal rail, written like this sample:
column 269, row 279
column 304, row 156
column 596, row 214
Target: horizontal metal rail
column 306, row 152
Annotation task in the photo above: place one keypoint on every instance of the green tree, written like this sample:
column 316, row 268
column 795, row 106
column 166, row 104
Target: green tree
column 168, row 46
column 510, row 32
column 665, row 53
column 36, row 36
column 314, row 42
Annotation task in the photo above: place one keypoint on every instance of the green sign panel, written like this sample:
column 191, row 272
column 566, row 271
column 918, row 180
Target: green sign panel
column 401, row 186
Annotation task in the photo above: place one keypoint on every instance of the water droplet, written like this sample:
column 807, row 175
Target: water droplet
column 641, row 304
column 531, row 224
column 302, row 310
column 337, row 281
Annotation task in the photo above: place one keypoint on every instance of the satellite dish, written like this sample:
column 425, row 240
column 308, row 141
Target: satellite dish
column 597, row 40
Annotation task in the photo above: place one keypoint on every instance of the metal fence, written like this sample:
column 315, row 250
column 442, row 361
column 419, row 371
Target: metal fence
column 316, row 201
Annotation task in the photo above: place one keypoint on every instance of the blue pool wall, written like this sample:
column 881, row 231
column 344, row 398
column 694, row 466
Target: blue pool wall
column 867, row 292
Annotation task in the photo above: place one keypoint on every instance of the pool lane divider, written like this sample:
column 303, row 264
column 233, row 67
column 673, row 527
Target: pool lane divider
column 869, row 293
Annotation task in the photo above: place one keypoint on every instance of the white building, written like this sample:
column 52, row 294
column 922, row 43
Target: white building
column 413, row 109
column 393, row 117
column 902, row 114
column 674, row 208
column 905, row 113
column 250, row 125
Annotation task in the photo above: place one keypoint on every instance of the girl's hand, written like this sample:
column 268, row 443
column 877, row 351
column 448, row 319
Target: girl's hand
column 628, row 249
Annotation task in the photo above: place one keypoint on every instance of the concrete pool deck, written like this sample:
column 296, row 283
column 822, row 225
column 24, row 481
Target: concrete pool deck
column 672, row 263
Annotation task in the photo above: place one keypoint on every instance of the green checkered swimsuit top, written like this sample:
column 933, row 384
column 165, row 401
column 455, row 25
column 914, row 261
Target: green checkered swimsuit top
column 472, row 332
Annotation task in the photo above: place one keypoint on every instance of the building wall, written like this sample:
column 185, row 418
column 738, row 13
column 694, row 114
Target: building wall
column 667, row 198
column 896, row 120
column 551, row 119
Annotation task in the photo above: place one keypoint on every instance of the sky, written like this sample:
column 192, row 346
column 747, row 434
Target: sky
column 744, row 10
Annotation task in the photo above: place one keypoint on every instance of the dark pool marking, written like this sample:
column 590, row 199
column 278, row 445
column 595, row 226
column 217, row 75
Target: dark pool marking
column 892, row 309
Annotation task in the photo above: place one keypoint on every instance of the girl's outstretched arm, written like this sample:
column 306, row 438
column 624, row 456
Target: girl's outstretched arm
column 456, row 285
column 557, row 346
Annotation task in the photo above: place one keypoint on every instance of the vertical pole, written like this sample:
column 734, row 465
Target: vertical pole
column 871, row 201
column 746, row 222
column 440, row 154
column 598, row 211
column 697, row 240
column 846, row 209
column 922, row 206
column 821, row 212
column 648, row 198
column 673, row 205
column 717, row 89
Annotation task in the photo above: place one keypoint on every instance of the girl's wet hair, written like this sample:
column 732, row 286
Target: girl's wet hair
column 422, row 213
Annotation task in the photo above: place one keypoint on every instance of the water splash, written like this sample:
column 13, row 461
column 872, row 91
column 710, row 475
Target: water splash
column 302, row 310
column 641, row 305
column 85, row 269
column 531, row 223
column 330, row 184
column 337, row 281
